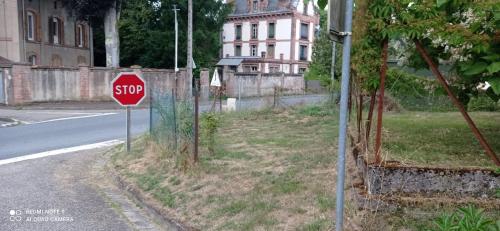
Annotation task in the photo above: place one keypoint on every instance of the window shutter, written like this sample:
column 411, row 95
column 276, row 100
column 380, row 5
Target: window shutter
column 38, row 30
column 85, row 38
column 76, row 35
column 61, row 31
column 51, row 30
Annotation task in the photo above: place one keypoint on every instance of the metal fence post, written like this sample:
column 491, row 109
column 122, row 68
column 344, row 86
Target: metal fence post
column 151, row 111
column 196, row 119
column 174, row 109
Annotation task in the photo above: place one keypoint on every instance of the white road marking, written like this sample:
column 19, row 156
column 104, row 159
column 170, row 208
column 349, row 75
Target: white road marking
column 63, row 113
column 71, row 118
column 61, row 151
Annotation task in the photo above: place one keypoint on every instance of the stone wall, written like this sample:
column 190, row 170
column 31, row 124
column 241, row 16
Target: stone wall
column 28, row 84
column 402, row 180
column 258, row 84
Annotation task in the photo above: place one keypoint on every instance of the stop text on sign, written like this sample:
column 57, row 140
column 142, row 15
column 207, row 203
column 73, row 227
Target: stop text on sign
column 128, row 89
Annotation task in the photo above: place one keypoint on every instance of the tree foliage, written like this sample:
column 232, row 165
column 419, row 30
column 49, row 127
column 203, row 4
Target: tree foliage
column 320, row 67
column 147, row 32
column 85, row 8
column 462, row 33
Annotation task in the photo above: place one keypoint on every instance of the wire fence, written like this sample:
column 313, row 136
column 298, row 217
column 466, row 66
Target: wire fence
column 172, row 122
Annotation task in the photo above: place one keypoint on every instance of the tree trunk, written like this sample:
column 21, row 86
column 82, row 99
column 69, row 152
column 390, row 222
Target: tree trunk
column 112, row 39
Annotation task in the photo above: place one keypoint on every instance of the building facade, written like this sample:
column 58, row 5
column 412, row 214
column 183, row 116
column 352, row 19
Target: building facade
column 43, row 33
column 269, row 36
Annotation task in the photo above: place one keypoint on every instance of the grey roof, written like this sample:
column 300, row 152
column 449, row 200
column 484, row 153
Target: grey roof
column 230, row 62
column 5, row 62
column 242, row 7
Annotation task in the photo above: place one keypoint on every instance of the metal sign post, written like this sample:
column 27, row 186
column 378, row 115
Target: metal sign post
column 344, row 95
column 128, row 89
column 128, row 128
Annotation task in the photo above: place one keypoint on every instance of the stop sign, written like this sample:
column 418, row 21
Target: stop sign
column 129, row 89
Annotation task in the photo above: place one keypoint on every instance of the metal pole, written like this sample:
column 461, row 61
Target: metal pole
column 334, row 56
column 196, row 120
column 346, row 60
column 470, row 122
column 239, row 92
column 128, row 128
column 150, row 111
column 174, row 110
column 190, row 43
column 176, row 37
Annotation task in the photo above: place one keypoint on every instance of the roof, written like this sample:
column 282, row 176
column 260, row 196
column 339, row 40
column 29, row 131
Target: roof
column 230, row 62
column 5, row 62
column 242, row 7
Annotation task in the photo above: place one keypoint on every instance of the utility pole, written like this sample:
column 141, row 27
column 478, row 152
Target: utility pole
column 344, row 96
column 176, row 37
column 190, row 41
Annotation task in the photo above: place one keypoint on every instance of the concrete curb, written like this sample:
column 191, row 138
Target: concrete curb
column 145, row 202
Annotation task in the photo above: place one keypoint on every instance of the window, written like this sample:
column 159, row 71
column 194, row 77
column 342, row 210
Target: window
column 80, row 38
column 306, row 7
column 303, row 52
column 270, row 30
column 56, row 30
column 304, row 31
column 30, row 26
column 238, row 32
column 237, row 50
column 274, row 69
column 32, row 59
column 255, row 31
column 253, row 50
column 81, row 60
column 254, row 68
column 255, row 5
column 56, row 61
column 55, row 5
column 302, row 70
column 270, row 51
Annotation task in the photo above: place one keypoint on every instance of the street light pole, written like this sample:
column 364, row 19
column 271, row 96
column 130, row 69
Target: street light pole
column 344, row 95
column 190, row 41
column 176, row 37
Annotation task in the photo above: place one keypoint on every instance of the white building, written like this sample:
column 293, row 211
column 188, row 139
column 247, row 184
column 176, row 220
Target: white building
column 269, row 36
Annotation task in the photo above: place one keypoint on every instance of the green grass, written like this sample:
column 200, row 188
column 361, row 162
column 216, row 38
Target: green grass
column 440, row 139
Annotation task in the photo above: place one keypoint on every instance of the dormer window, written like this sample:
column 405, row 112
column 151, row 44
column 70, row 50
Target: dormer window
column 255, row 5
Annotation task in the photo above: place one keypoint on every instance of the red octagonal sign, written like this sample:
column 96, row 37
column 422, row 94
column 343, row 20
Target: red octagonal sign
column 129, row 89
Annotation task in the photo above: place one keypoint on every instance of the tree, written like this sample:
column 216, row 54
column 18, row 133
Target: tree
column 109, row 10
column 147, row 35
column 320, row 67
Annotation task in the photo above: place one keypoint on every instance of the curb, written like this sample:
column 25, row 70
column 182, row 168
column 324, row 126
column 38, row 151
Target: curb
column 145, row 202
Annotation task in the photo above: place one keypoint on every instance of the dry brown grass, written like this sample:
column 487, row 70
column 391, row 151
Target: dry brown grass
column 272, row 170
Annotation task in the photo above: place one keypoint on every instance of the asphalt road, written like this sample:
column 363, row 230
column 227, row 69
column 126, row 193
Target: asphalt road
column 56, row 133
column 66, row 193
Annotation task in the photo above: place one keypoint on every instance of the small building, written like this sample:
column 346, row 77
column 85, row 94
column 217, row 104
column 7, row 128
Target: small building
column 43, row 33
column 269, row 36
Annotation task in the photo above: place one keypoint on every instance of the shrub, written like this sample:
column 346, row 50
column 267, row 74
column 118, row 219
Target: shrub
column 209, row 124
column 466, row 219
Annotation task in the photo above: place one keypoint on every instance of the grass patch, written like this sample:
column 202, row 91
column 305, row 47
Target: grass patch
column 440, row 139
column 264, row 172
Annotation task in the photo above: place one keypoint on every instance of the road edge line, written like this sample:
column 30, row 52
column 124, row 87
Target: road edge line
column 61, row 151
